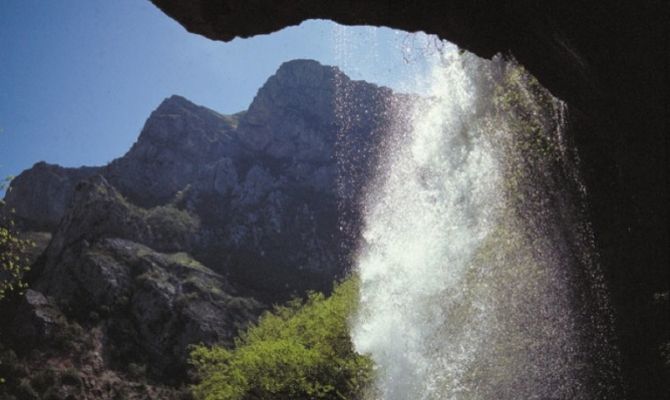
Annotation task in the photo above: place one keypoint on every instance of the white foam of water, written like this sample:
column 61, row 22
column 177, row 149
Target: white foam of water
column 427, row 218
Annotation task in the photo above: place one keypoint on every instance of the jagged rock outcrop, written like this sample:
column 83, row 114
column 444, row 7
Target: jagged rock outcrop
column 151, row 305
column 268, row 196
column 41, row 194
column 607, row 60
column 178, row 140
column 98, row 210
column 37, row 319
column 206, row 221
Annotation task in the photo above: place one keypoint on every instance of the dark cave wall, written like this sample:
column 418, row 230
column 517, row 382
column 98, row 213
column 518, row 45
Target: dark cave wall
column 608, row 60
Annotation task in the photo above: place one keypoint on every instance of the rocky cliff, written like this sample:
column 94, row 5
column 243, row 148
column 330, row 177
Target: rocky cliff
column 262, row 195
column 207, row 220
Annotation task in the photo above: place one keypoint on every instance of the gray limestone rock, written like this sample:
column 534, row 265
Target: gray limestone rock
column 208, row 216
column 41, row 194
column 177, row 142
column 37, row 319
column 160, row 303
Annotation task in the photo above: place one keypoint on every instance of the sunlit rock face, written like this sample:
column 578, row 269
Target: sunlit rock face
column 268, row 196
column 41, row 194
column 177, row 141
column 150, row 303
column 208, row 219
column 297, row 101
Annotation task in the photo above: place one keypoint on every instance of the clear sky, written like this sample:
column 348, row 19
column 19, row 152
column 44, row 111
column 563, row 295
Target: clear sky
column 79, row 78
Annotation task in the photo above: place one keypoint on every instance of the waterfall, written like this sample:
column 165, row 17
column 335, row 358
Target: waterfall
column 468, row 289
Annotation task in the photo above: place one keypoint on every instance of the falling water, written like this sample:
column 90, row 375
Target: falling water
column 462, row 295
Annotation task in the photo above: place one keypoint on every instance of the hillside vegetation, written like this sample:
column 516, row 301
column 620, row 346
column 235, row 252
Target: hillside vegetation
column 298, row 351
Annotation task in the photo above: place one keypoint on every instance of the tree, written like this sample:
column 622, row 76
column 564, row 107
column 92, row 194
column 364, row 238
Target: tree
column 298, row 351
column 13, row 252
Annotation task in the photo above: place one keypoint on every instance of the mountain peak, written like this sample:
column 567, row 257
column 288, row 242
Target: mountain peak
column 176, row 104
column 178, row 120
column 176, row 99
column 301, row 62
column 304, row 64
column 305, row 73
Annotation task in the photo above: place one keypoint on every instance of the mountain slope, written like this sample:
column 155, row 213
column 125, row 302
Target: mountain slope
column 206, row 220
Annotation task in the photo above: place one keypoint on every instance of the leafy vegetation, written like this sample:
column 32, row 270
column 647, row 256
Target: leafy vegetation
column 19, row 374
column 534, row 116
column 13, row 253
column 171, row 219
column 298, row 351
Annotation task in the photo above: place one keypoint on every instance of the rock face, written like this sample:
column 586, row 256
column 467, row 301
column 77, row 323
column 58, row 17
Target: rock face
column 177, row 141
column 36, row 319
column 207, row 220
column 608, row 61
column 267, row 196
column 152, row 305
column 41, row 194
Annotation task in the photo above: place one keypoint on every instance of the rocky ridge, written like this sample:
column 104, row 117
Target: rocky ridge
column 206, row 221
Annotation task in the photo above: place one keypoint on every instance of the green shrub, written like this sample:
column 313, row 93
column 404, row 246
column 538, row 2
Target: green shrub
column 14, row 252
column 171, row 223
column 298, row 351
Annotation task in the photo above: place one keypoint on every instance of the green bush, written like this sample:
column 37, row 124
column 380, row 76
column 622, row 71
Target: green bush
column 13, row 252
column 298, row 351
column 171, row 222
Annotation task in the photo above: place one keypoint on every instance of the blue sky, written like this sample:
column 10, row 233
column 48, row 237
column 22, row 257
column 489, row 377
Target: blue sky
column 79, row 78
